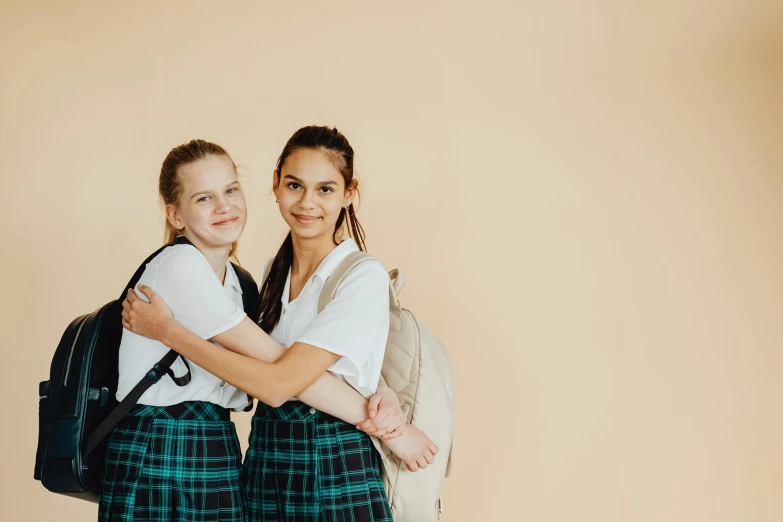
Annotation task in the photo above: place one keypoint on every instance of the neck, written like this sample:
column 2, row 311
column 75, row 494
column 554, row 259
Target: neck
column 216, row 256
column 308, row 254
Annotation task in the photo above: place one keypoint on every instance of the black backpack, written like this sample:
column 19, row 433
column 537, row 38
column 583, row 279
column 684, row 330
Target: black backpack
column 77, row 406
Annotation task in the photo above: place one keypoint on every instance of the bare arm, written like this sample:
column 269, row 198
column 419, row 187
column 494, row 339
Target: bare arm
column 272, row 382
column 254, row 368
column 328, row 393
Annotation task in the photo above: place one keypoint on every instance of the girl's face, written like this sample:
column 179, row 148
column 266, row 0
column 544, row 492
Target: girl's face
column 211, row 209
column 311, row 193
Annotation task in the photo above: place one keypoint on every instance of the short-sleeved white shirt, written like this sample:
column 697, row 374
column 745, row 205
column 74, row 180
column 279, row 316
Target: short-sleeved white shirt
column 184, row 279
column 355, row 325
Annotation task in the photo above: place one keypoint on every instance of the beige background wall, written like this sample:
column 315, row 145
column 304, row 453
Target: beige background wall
column 585, row 196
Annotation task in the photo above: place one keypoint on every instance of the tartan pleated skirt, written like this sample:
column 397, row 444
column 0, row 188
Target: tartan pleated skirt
column 304, row 465
column 180, row 463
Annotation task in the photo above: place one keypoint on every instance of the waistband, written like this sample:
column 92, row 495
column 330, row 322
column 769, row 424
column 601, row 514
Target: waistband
column 291, row 411
column 188, row 410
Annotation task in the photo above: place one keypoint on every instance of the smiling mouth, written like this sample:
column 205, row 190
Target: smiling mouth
column 226, row 221
column 306, row 219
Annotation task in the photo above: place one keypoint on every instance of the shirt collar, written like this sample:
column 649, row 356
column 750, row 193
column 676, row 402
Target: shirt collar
column 325, row 269
column 231, row 278
column 334, row 258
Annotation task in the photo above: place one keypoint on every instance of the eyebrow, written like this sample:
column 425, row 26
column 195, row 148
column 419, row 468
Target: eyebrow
column 321, row 184
column 209, row 191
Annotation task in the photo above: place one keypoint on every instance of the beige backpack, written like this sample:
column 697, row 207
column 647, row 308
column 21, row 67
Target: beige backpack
column 417, row 367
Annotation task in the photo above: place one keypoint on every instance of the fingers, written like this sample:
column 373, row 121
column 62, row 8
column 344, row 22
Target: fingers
column 371, row 424
column 421, row 462
column 374, row 424
column 131, row 297
column 433, row 448
column 412, row 466
column 429, row 457
column 368, row 426
column 395, row 433
column 373, row 405
column 383, row 426
column 126, row 320
column 395, row 430
column 147, row 291
column 390, row 426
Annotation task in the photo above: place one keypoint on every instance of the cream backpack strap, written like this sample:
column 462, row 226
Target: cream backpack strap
column 329, row 290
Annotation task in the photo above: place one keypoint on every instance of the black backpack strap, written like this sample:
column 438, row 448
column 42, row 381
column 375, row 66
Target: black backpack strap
column 179, row 240
column 249, row 292
column 160, row 369
column 250, row 302
column 104, row 428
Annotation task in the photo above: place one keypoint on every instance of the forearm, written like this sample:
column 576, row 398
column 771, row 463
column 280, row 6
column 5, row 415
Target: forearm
column 333, row 396
column 329, row 393
column 270, row 382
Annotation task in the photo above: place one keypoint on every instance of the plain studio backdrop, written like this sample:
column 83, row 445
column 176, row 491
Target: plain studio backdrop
column 586, row 198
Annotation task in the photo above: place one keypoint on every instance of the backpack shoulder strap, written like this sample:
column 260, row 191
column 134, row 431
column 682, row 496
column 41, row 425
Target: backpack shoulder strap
column 160, row 368
column 249, row 291
column 353, row 260
column 251, row 301
column 179, row 240
column 329, row 290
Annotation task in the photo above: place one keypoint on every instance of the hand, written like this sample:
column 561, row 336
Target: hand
column 386, row 418
column 414, row 448
column 149, row 320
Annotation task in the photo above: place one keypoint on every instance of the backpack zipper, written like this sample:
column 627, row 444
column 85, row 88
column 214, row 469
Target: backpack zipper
column 440, row 507
column 70, row 355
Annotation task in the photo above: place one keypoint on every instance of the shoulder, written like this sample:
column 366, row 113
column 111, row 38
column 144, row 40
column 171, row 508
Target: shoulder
column 369, row 275
column 179, row 256
column 178, row 263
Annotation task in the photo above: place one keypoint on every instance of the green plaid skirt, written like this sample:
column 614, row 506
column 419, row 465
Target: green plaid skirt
column 179, row 463
column 303, row 465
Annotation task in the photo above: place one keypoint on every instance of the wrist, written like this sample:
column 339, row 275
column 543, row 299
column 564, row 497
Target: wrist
column 167, row 331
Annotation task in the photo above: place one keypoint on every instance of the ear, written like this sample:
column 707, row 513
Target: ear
column 276, row 183
column 350, row 192
column 172, row 214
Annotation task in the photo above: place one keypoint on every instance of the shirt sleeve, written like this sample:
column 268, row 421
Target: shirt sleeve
column 185, row 281
column 355, row 324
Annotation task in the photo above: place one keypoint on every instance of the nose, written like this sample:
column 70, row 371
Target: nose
column 221, row 204
column 307, row 201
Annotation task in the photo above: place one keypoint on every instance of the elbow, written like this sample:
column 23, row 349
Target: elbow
column 274, row 401
column 274, row 396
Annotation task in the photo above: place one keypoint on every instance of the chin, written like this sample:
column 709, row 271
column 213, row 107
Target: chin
column 308, row 233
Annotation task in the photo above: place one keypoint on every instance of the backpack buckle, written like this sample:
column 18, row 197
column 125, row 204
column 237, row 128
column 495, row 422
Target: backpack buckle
column 155, row 373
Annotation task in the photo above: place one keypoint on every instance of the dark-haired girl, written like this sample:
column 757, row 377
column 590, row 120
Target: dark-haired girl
column 303, row 463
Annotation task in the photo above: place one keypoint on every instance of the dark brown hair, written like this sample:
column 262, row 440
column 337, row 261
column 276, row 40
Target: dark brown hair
column 340, row 153
column 170, row 184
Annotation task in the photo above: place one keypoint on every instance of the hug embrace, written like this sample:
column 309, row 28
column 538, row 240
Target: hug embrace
column 354, row 414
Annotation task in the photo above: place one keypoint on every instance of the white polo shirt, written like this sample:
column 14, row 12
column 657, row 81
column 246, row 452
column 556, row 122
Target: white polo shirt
column 184, row 279
column 354, row 325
